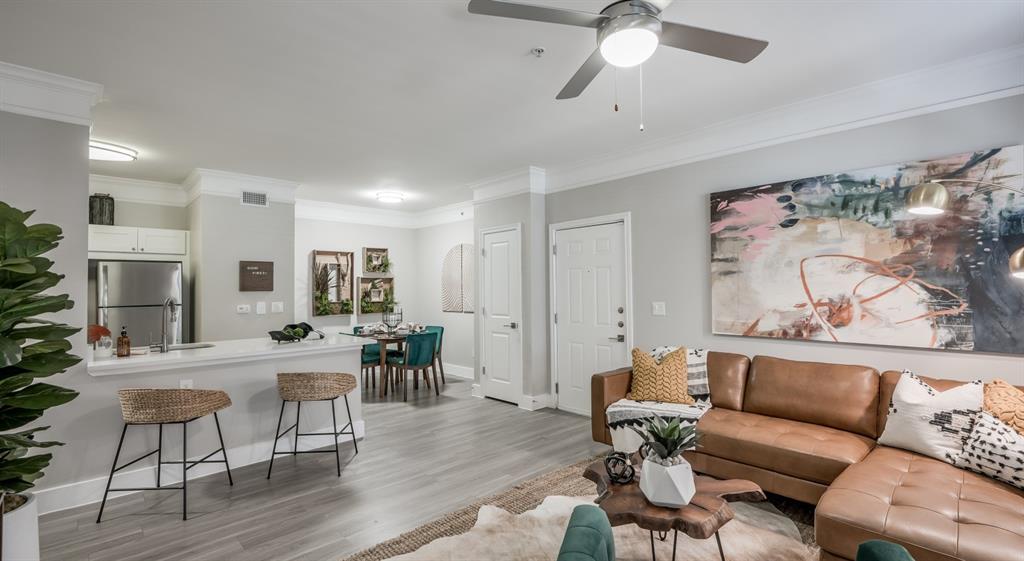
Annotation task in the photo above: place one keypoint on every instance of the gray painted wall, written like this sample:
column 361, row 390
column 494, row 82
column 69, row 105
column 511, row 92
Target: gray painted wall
column 432, row 245
column 223, row 233
column 142, row 215
column 671, row 243
column 43, row 166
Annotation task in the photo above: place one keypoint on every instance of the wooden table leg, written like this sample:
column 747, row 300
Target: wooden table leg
column 383, row 366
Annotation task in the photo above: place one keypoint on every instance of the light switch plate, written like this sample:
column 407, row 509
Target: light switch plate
column 658, row 309
column 243, row 308
column 277, row 307
column 261, row 308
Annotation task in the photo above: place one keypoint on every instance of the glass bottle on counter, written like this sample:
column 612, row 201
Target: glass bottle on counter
column 124, row 344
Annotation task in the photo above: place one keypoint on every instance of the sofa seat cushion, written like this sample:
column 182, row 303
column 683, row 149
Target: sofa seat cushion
column 935, row 510
column 792, row 448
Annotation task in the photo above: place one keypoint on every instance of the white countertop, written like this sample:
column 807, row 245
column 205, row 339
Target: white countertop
column 223, row 352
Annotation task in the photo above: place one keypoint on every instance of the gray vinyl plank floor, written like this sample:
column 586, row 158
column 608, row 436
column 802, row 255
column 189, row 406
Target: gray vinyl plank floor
column 420, row 459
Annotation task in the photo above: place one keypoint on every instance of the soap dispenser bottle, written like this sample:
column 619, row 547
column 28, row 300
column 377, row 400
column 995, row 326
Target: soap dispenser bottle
column 124, row 344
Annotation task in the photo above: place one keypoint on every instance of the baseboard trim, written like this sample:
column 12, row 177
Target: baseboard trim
column 458, row 371
column 535, row 402
column 90, row 491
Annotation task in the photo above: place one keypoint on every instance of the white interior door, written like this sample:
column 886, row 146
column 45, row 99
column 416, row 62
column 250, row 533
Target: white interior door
column 501, row 316
column 590, row 306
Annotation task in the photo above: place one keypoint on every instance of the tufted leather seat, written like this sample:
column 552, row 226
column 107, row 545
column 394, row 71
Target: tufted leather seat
column 793, row 448
column 935, row 510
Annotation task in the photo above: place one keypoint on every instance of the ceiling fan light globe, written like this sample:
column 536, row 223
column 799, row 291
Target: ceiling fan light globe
column 629, row 47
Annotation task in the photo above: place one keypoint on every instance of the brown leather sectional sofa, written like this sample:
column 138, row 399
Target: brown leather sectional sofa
column 808, row 431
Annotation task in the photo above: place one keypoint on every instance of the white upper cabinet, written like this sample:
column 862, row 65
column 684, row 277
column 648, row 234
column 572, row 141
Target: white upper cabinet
column 158, row 240
column 116, row 239
column 126, row 239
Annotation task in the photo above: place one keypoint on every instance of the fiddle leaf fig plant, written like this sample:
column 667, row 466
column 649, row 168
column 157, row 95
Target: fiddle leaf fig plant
column 31, row 348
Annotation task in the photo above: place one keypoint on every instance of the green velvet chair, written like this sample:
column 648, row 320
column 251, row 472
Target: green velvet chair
column 371, row 358
column 418, row 357
column 878, row 550
column 588, row 537
column 439, row 364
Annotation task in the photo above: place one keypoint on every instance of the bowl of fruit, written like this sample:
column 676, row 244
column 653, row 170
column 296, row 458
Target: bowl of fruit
column 294, row 332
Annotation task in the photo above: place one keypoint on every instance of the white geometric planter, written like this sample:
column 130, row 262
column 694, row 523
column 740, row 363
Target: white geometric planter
column 21, row 532
column 668, row 486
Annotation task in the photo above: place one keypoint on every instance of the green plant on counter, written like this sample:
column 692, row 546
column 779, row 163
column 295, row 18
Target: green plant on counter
column 30, row 348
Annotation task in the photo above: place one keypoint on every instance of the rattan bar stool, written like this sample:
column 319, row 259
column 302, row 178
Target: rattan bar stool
column 314, row 386
column 168, row 407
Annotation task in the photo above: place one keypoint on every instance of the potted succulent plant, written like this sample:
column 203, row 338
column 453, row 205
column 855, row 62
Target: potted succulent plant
column 30, row 348
column 666, row 479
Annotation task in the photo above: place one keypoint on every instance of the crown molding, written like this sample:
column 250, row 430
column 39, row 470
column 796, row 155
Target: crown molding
column 203, row 181
column 139, row 190
column 27, row 91
column 531, row 180
column 308, row 209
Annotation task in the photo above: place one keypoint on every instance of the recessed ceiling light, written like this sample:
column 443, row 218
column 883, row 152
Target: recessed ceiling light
column 99, row 150
column 390, row 197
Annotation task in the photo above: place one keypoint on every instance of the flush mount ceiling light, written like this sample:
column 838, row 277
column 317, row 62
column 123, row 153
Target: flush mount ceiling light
column 390, row 197
column 106, row 151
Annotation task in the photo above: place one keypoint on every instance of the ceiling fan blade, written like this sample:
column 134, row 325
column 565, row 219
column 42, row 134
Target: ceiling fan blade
column 712, row 43
column 535, row 13
column 583, row 77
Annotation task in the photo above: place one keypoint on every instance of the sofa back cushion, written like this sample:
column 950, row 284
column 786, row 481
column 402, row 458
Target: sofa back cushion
column 840, row 396
column 887, row 386
column 727, row 379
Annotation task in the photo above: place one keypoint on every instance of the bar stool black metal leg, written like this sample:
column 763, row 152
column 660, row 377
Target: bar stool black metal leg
column 113, row 468
column 223, row 449
column 184, row 470
column 337, row 452
column 351, row 426
column 298, row 409
column 720, row 552
column 277, row 435
column 159, row 451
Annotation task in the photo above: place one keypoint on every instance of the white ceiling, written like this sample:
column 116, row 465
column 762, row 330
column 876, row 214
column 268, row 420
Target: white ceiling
column 350, row 98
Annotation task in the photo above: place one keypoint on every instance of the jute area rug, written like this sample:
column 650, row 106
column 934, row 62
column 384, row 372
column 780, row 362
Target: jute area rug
column 519, row 524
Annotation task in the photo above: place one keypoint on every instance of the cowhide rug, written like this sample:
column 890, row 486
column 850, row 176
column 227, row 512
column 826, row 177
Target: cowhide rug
column 758, row 533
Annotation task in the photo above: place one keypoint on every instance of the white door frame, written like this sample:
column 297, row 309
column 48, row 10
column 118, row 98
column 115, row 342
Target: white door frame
column 625, row 219
column 481, row 329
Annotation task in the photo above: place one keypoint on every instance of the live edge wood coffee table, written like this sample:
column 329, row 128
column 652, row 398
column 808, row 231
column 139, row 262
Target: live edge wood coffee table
column 707, row 512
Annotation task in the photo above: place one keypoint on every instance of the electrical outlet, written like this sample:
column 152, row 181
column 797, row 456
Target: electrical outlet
column 277, row 307
column 658, row 309
column 261, row 308
column 243, row 308
column 185, row 384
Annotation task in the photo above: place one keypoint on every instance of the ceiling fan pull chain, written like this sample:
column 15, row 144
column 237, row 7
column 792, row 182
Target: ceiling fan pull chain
column 641, row 98
column 616, row 89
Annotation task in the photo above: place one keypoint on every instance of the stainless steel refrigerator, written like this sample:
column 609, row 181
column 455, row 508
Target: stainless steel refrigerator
column 132, row 294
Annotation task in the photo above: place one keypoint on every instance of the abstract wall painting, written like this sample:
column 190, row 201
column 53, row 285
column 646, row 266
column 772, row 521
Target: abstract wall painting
column 839, row 258
column 457, row 280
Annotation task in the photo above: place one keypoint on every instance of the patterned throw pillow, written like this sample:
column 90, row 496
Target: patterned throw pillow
column 696, row 371
column 660, row 382
column 996, row 450
column 1006, row 403
column 930, row 422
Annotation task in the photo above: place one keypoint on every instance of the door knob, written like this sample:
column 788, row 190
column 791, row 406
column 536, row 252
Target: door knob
column 512, row 325
column 618, row 338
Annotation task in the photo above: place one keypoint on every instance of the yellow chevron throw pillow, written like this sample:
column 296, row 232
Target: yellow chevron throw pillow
column 1005, row 402
column 664, row 382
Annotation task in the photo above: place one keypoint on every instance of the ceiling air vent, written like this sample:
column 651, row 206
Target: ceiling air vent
column 252, row 198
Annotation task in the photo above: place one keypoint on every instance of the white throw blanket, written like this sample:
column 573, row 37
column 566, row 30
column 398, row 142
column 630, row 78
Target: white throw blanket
column 626, row 413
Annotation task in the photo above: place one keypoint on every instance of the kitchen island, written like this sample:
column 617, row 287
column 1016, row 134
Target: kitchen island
column 247, row 370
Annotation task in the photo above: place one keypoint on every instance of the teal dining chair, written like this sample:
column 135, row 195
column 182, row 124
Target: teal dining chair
column 418, row 357
column 371, row 359
column 439, row 364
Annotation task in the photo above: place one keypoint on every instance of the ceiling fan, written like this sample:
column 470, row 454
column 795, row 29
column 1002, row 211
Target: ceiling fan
column 628, row 32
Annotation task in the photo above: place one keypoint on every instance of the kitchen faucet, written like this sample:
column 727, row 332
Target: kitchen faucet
column 169, row 312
